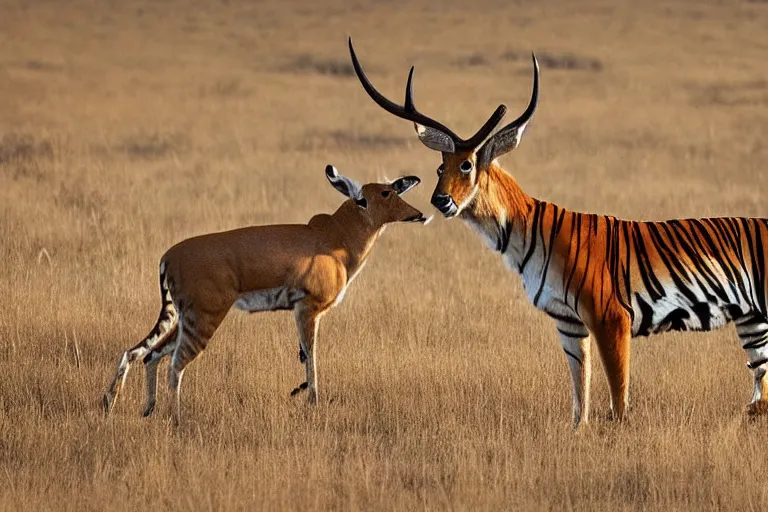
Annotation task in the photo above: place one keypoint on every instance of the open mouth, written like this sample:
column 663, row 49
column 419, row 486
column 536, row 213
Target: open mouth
column 418, row 218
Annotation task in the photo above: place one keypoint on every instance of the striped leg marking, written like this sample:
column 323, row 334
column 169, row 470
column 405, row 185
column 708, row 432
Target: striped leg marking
column 574, row 338
column 151, row 363
column 189, row 345
column 165, row 324
column 753, row 334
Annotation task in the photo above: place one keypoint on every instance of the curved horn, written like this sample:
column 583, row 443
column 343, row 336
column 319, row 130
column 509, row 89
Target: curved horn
column 408, row 111
column 526, row 116
column 487, row 128
column 509, row 137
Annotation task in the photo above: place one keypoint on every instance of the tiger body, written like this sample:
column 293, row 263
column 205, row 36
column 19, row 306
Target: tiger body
column 677, row 275
column 598, row 277
column 619, row 279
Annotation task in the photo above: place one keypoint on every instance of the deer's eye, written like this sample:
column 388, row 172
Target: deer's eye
column 466, row 166
column 441, row 169
column 385, row 193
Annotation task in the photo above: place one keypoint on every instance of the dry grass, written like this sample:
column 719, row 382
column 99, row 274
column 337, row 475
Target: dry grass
column 127, row 126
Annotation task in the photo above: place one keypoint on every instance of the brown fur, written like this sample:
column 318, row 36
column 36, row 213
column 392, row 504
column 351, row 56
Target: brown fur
column 205, row 276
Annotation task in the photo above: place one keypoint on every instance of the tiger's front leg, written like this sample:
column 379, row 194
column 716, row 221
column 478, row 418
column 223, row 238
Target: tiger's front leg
column 574, row 338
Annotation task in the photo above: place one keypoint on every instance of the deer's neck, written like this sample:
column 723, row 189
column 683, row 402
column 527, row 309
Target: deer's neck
column 357, row 234
column 501, row 213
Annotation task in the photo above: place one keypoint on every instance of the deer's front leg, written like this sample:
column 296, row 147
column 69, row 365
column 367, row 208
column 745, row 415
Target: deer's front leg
column 574, row 338
column 307, row 319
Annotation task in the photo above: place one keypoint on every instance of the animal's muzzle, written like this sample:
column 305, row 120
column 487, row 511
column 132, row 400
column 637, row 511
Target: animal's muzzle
column 445, row 204
column 416, row 218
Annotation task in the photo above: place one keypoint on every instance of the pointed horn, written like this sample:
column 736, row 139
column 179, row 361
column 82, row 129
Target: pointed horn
column 529, row 111
column 408, row 111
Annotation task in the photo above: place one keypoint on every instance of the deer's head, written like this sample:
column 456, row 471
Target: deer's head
column 379, row 202
column 463, row 159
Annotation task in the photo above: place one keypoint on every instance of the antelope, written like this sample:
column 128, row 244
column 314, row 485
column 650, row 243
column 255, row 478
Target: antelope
column 306, row 268
column 596, row 276
column 473, row 186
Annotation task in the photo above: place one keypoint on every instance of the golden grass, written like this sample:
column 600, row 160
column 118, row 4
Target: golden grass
column 126, row 127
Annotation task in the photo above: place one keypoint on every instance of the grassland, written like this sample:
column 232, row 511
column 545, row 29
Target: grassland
column 127, row 126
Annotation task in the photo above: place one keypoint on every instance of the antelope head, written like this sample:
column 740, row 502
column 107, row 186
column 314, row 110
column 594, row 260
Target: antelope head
column 464, row 160
column 379, row 202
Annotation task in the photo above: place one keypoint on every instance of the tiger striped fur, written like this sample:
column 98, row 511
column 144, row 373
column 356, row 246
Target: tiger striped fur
column 617, row 279
column 596, row 276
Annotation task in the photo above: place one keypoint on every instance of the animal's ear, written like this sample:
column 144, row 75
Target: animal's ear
column 508, row 138
column 435, row 139
column 500, row 144
column 404, row 184
column 346, row 186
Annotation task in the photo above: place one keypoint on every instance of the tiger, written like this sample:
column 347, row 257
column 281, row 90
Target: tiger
column 599, row 277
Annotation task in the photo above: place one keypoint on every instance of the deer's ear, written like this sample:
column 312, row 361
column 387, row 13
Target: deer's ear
column 346, row 186
column 404, row 184
column 435, row 139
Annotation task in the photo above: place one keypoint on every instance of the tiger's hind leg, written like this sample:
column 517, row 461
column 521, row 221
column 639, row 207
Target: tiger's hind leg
column 752, row 330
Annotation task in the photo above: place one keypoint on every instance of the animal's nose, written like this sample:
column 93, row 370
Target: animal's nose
column 441, row 201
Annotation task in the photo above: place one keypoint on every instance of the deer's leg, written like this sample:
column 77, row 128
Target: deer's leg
column 574, row 338
column 164, row 327
column 151, row 363
column 613, row 342
column 194, row 334
column 753, row 333
column 307, row 319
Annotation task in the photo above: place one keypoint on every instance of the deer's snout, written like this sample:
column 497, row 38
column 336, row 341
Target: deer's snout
column 445, row 204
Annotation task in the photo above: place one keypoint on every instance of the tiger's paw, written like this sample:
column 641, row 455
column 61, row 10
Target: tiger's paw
column 758, row 408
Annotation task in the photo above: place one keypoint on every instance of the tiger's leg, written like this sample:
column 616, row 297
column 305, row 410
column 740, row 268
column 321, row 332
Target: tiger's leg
column 753, row 333
column 613, row 342
column 574, row 338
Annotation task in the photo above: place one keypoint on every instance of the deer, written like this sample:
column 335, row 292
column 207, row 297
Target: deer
column 306, row 268
column 598, row 277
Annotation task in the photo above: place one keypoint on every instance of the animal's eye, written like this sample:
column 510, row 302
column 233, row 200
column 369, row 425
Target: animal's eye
column 385, row 193
column 440, row 169
column 466, row 166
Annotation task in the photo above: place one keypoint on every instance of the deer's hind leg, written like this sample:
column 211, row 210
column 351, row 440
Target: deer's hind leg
column 151, row 362
column 163, row 329
column 195, row 331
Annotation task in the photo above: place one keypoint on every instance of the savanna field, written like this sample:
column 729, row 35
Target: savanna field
column 126, row 127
